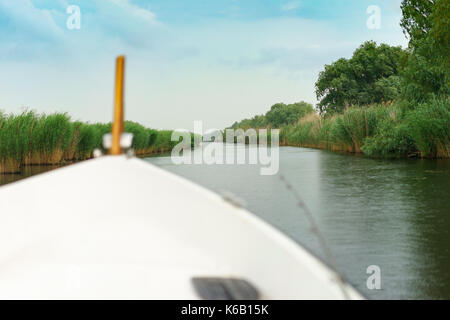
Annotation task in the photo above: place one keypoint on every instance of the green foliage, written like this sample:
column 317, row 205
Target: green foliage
column 87, row 142
column 56, row 132
column 392, row 141
column 370, row 76
column 258, row 121
column 429, row 127
column 9, row 140
column 352, row 127
column 164, row 140
column 303, row 134
column 152, row 134
column 416, row 21
column 29, row 138
column 424, row 129
column 426, row 72
column 141, row 135
column 279, row 115
column 378, row 131
column 391, row 137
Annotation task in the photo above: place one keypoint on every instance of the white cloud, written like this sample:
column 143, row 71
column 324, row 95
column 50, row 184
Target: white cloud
column 30, row 29
column 292, row 5
column 135, row 10
column 21, row 18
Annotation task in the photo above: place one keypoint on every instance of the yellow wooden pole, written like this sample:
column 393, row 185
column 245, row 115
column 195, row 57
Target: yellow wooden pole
column 117, row 126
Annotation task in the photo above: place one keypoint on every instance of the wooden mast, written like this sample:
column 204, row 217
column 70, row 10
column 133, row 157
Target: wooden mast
column 117, row 126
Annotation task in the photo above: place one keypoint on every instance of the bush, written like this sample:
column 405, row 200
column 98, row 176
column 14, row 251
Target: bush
column 429, row 127
column 391, row 140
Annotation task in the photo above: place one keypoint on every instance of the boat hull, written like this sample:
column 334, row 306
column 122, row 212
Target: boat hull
column 120, row 228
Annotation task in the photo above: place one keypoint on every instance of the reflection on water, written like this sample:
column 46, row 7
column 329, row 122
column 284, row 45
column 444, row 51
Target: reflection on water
column 27, row 171
column 393, row 214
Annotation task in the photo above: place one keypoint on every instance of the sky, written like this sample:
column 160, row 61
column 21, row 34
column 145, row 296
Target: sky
column 217, row 61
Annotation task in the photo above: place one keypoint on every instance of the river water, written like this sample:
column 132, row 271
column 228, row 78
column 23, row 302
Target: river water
column 394, row 214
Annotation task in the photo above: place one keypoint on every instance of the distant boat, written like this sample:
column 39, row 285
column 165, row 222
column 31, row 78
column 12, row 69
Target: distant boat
column 117, row 227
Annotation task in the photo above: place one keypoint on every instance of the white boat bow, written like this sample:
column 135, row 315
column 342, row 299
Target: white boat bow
column 120, row 228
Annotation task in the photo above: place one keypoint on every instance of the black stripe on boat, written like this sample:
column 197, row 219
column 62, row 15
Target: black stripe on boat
column 224, row 289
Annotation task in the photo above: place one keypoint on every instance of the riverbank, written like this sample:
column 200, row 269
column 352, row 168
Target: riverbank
column 392, row 130
column 31, row 139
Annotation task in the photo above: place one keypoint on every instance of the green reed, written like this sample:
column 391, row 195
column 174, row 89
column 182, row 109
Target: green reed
column 38, row 139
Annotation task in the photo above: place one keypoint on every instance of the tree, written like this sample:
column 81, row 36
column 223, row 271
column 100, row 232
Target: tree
column 281, row 114
column 426, row 71
column 416, row 22
column 370, row 76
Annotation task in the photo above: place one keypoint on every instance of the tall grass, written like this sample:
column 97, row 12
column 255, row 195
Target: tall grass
column 387, row 130
column 37, row 139
column 429, row 128
column 350, row 129
column 163, row 141
column 392, row 137
column 141, row 137
column 9, row 144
